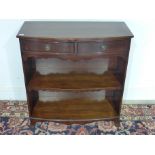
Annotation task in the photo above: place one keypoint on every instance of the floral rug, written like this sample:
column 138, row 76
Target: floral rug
column 135, row 120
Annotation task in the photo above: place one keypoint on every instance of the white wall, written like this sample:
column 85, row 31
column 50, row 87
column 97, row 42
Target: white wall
column 140, row 81
column 11, row 74
column 139, row 16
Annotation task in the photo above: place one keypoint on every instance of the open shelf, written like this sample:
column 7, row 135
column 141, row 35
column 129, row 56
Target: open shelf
column 74, row 110
column 74, row 81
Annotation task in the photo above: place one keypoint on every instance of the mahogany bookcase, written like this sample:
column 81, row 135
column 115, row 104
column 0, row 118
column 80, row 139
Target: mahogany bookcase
column 74, row 71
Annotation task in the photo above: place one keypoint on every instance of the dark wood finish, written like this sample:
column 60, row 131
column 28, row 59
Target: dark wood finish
column 75, row 41
column 74, row 81
column 74, row 110
column 100, row 47
column 84, row 47
column 64, row 56
column 47, row 46
column 74, row 31
column 29, row 68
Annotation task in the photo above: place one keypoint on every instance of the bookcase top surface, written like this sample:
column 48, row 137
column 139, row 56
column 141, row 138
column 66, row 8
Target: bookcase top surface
column 73, row 30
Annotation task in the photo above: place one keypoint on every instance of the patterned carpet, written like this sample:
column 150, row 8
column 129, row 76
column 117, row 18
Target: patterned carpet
column 135, row 120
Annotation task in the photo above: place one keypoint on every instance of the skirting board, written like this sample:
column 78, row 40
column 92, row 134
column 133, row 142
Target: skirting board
column 138, row 102
column 12, row 93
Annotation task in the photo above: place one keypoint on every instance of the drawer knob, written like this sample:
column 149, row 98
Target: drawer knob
column 103, row 47
column 47, row 47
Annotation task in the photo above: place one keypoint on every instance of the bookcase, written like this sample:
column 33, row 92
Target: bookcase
column 74, row 71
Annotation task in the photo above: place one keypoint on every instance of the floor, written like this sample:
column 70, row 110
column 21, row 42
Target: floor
column 135, row 120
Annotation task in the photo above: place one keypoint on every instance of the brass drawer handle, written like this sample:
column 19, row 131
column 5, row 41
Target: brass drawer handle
column 47, row 47
column 103, row 47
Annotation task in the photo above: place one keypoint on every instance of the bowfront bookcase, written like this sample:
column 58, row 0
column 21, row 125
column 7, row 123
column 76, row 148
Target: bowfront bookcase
column 74, row 71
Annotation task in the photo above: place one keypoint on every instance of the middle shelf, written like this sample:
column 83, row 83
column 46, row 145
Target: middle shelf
column 74, row 81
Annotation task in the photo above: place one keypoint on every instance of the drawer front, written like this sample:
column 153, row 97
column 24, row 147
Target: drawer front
column 55, row 47
column 86, row 48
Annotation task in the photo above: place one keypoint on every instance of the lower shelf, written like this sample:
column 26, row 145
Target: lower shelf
column 74, row 110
